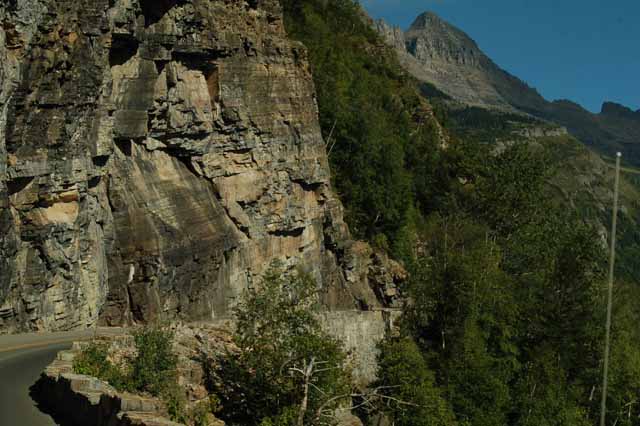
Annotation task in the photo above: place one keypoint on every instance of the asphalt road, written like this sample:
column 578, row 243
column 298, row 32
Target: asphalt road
column 19, row 370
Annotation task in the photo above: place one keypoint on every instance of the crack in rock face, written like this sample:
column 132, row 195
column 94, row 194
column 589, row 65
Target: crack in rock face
column 156, row 157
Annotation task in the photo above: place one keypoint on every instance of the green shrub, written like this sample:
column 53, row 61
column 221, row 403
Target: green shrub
column 276, row 332
column 202, row 412
column 154, row 367
column 93, row 361
column 287, row 417
column 175, row 399
column 405, row 377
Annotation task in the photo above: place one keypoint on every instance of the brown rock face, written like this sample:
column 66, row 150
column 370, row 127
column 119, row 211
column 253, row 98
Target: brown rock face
column 155, row 158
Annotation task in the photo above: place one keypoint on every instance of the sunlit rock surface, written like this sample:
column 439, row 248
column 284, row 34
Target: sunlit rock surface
column 155, row 160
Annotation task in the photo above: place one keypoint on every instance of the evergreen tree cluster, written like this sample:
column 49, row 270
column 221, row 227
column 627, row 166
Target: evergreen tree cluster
column 504, row 325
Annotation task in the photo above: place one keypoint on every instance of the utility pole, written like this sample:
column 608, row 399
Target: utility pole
column 612, row 258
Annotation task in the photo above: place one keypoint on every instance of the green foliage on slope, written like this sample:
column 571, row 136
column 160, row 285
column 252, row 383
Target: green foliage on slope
column 509, row 316
column 153, row 369
column 154, row 366
column 507, row 279
column 286, row 369
column 480, row 125
column 417, row 401
column 93, row 361
column 367, row 109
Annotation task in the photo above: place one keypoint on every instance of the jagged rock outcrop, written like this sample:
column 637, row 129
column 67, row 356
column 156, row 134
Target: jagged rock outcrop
column 434, row 51
column 439, row 53
column 155, row 158
column 393, row 36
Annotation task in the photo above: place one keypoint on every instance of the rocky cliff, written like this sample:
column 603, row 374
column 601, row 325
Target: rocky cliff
column 434, row 51
column 437, row 52
column 155, row 158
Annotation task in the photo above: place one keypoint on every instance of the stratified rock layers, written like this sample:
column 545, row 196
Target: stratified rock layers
column 155, row 158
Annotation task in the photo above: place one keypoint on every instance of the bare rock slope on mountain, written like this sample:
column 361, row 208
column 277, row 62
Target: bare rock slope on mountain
column 486, row 104
column 155, row 158
column 436, row 52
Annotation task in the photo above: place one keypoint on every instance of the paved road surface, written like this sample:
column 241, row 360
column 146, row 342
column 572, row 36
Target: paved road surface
column 22, row 359
column 19, row 370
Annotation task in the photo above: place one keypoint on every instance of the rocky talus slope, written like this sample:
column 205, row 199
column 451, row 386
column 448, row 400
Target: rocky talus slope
column 155, row 158
column 434, row 51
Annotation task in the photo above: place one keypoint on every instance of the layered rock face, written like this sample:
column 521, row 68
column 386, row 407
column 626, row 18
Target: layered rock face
column 155, row 158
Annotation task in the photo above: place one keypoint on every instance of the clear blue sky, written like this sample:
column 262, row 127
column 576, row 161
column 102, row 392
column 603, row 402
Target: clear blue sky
column 587, row 51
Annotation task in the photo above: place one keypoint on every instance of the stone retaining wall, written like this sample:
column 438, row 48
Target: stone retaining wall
column 79, row 400
column 361, row 331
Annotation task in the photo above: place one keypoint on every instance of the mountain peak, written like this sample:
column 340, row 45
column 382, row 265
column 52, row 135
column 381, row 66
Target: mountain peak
column 426, row 19
column 433, row 29
column 436, row 51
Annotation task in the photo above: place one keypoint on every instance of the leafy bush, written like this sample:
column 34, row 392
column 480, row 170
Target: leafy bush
column 407, row 379
column 278, row 339
column 202, row 412
column 154, row 367
column 175, row 399
column 93, row 361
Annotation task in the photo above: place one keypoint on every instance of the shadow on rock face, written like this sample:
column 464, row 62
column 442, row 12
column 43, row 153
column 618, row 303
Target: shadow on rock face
column 122, row 49
column 154, row 10
column 40, row 394
column 69, row 408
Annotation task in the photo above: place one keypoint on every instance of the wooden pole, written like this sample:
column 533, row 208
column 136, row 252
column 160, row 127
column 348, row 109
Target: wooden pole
column 612, row 258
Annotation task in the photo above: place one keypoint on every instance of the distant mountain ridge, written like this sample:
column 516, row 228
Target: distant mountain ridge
column 434, row 51
column 617, row 110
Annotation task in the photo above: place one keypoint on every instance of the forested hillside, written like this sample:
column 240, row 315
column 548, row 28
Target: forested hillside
column 504, row 324
column 368, row 111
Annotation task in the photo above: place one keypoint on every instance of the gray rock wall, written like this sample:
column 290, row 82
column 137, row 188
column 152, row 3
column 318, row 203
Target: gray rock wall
column 155, row 158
